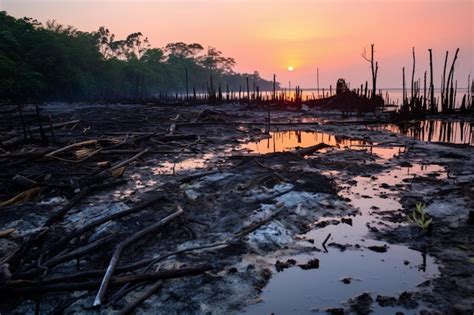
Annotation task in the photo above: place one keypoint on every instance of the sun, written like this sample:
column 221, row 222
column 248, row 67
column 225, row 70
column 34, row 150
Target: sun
column 290, row 68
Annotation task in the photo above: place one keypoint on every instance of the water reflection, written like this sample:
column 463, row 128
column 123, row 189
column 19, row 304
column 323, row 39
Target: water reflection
column 281, row 141
column 297, row 291
column 458, row 132
column 178, row 166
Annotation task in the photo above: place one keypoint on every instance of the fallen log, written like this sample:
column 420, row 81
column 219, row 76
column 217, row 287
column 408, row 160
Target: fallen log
column 120, row 269
column 71, row 146
column 120, row 247
column 56, row 217
column 310, row 150
column 78, row 252
column 108, row 172
column 130, row 307
column 35, row 287
column 100, row 221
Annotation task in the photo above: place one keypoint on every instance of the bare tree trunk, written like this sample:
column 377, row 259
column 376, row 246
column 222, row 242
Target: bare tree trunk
column 443, row 87
column 317, row 78
column 413, row 75
column 432, row 100
column 404, row 92
column 274, row 87
column 248, row 91
column 450, row 100
column 424, row 93
column 187, row 83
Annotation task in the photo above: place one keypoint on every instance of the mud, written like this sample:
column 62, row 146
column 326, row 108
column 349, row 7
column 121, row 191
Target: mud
column 329, row 232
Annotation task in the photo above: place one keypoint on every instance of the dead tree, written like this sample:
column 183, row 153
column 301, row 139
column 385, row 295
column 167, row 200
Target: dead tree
column 404, row 91
column 374, row 67
column 424, row 92
column 413, row 75
column 432, row 99
column 443, row 81
column 449, row 97
column 187, row 83
column 274, row 87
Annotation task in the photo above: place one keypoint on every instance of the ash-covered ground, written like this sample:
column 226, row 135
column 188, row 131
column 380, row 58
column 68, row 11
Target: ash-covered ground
column 282, row 212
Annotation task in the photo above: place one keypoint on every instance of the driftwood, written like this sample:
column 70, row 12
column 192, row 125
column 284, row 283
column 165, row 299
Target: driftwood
column 120, row 247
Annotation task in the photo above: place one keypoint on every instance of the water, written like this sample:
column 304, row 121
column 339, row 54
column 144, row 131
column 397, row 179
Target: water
column 281, row 141
column 458, row 132
column 183, row 165
column 298, row 291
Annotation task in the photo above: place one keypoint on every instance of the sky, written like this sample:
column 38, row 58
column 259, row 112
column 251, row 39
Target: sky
column 269, row 36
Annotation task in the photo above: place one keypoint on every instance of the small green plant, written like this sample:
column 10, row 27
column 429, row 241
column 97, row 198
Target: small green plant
column 419, row 217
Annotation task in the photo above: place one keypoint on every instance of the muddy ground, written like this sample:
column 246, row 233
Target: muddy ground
column 262, row 230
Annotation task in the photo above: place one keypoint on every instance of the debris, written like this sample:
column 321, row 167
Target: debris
column 280, row 265
column 22, row 197
column 361, row 304
column 378, row 249
column 311, row 264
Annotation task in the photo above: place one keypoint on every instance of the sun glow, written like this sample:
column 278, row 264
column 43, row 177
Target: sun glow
column 290, row 68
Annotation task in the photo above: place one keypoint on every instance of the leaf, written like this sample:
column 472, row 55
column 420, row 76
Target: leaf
column 22, row 197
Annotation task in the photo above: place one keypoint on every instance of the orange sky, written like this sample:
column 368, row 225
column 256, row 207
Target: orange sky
column 269, row 36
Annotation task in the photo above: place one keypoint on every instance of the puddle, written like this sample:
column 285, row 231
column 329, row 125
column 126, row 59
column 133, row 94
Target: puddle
column 171, row 168
column 281, row 141
column 298, row 291
column 458, row 132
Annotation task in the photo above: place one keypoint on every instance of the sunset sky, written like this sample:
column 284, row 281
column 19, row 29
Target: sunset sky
column 269, row 36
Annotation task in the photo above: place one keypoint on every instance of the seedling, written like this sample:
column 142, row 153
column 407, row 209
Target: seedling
column 419, row 217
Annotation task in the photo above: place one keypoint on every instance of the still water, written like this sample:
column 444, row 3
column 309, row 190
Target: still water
column 281, row 141
column 458, row 132
column 298, row 291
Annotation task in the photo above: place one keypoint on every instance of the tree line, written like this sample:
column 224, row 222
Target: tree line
column 45, row 62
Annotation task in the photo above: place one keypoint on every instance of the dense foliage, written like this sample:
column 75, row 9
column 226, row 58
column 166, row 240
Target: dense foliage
column 56, row 62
